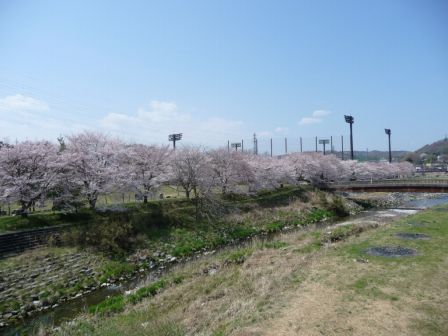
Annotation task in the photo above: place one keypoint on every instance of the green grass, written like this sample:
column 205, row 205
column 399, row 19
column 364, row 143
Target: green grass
column 113, row 269
column 408, row 277
column 117, row 303
column 276, row 244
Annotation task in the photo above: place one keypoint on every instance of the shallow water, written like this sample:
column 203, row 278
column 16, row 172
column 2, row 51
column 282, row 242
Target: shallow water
column 427, row 202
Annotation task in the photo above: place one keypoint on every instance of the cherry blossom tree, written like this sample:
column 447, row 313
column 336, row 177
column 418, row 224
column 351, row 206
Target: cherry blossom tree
column 267, row 172
column 191, row 170
column 28, row 170
column 91, row 161
column 230, row 169
column 145, row 168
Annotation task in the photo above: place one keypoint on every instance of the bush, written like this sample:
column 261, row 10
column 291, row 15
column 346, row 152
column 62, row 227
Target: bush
column 113, row 237
column 337, row 206
column 239, row 232
column 316, row 215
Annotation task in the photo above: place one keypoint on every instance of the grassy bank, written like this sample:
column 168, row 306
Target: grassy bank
column 109, row 246
column 298, row 284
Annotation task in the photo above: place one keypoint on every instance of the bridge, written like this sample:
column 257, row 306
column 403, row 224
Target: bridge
column 396, row 185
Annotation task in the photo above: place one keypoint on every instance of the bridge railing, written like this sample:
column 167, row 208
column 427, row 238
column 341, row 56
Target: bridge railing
column 442, row 182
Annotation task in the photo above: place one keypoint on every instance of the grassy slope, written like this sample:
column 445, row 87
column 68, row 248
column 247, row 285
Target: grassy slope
column 181, row 208
column 296, row 287
column 166, row 226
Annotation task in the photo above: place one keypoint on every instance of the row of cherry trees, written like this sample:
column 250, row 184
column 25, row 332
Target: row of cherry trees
column 88, row 164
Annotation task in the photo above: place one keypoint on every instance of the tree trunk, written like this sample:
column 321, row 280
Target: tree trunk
column 187, row 193
column 92, row 203
column 145, row 199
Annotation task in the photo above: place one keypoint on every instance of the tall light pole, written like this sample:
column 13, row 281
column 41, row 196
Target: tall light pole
column 174, row 138
column 236, row 145
column 388, row 132
column 350, row 120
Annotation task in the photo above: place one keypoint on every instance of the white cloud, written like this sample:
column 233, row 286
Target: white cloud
column 22, row 103
column 153, row 124
column 309, row 121
column 321, row 113
column 25, row 117
column 315, row 118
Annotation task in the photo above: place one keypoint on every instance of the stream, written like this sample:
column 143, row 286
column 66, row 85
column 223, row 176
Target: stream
column 70, row 309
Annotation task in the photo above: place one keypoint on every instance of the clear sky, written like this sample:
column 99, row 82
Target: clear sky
column 222, row 70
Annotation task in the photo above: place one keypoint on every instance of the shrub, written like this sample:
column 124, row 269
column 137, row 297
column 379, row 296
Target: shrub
column 239, row 232
column 337, row 206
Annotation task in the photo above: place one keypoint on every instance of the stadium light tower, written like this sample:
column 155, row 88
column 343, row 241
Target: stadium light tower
column 388, row 132
column 236, row 145
column 175, row 137
column 350, row 120
column 324, row 142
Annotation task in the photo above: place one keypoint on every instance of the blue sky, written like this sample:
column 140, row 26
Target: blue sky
column 219, row 70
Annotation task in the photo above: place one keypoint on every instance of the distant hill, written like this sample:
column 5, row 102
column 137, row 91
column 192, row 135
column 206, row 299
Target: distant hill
column 437, row 152
column 376, row 155
column 436, row 148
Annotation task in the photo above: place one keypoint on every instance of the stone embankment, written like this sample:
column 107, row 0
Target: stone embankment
column 40, row 282
column 37, row 281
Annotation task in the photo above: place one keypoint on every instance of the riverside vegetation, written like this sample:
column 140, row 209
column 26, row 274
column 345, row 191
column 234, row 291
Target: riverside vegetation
column 115, row 244
column 302, row 283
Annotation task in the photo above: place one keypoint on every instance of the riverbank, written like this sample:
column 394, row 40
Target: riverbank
column 302, row 283
column 39, row 281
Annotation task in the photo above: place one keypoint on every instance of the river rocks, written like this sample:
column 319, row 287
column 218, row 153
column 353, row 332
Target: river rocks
column 37, row 303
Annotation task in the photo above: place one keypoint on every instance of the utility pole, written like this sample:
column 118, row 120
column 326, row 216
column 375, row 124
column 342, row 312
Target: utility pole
column 286, row 146
column 255, row 144
column 228, row 145
column 342, row 146
column 331, row 143
column 242, row 145
column 300, row 144
column 175, row 137
column 350, row 120
column 388, row 132
column 271, row 147
column 316, row 144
